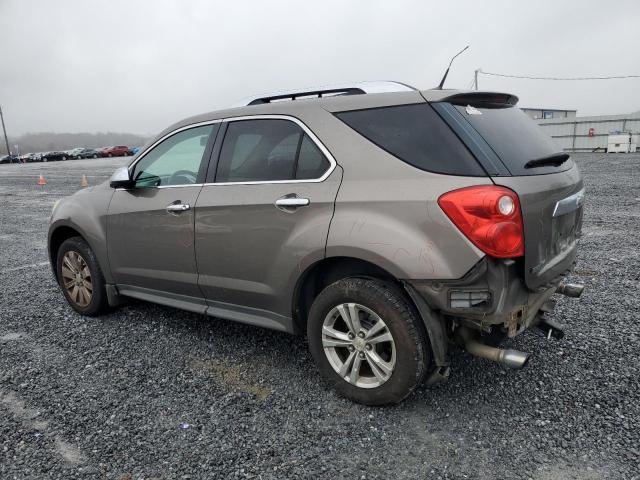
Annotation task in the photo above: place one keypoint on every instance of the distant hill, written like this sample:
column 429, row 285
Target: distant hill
column 47, row 141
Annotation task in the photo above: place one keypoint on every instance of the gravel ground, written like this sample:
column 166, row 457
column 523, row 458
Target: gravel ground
column 152, row 392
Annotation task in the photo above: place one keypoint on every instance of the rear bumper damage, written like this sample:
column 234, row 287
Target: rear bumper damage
column 492, row 294
column 490, row 301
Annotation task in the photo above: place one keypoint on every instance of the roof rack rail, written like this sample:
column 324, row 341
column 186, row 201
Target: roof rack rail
column 359, row 88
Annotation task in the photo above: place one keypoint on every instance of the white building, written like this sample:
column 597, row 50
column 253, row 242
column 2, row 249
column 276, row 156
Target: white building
column 548, row 113
column 587, row 134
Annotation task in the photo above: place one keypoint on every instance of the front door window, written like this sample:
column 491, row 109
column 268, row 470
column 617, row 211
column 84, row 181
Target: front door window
column 175, row 161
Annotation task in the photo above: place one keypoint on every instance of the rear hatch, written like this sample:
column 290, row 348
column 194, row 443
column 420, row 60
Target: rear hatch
column 517, row 154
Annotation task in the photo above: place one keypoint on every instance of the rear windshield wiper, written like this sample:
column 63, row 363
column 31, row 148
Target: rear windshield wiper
column 554, row 160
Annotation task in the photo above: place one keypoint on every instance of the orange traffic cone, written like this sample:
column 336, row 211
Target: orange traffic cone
column 41, row 181
column 84, row 182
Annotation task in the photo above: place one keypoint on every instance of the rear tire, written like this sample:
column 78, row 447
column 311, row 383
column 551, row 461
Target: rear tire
column 376, row 372
column 80, row 277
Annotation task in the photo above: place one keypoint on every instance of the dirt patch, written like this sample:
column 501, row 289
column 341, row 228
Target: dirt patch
column 70, row 453
column 586, row 272
column 564, row 472
column 233, row 377
column 12, row 337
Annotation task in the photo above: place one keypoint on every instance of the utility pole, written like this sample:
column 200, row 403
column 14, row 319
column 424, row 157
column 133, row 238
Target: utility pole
column 6, row 140
column 475, row 83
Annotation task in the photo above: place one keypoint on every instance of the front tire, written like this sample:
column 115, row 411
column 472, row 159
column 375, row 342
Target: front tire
column 80, row 277
column 368, row 341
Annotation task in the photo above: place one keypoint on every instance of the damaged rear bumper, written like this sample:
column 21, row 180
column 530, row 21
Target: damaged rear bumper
column 493, row 294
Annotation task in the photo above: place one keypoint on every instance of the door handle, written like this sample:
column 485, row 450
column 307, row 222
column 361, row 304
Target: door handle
column 292, row 202
column 177, row 207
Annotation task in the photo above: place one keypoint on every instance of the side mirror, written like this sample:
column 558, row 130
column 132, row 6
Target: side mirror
column 121, row 179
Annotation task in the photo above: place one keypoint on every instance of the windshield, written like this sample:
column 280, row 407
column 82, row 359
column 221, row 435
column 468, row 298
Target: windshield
column 514, row 137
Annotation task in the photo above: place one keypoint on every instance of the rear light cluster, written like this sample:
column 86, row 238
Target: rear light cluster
column 489, row 216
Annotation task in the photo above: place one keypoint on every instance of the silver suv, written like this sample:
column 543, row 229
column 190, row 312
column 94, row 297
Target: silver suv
column 388, row 224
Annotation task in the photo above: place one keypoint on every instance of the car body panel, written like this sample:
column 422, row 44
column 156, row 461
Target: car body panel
column 550, row 241
column 86, row 212
column 150, row 247
column 250, row 252
column 387, row 212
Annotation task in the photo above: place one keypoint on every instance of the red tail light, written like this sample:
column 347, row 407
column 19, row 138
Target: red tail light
column 489, row 216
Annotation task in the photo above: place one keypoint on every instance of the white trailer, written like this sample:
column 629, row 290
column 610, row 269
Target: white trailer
column 622, row 143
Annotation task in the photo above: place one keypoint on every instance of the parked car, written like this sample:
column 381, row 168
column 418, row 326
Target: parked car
column 74, row 152
column 389, row 227
column 35, row 157
column 9, row 159
column 117, row 151
column 54, row 156
column 24, row 158
column 134, row 150
column 90, row 153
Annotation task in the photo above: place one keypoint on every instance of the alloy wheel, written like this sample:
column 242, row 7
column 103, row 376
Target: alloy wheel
column 359, row 345
column 76, row 278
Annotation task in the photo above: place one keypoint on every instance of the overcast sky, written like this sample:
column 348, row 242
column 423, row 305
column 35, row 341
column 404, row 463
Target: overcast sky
column 137, row 66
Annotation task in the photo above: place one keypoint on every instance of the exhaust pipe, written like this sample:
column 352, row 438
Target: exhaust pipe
column 573, row 290
column 509, row 358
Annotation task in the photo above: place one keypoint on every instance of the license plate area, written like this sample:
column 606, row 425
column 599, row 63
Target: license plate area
column 566, row 223
column 565, row 230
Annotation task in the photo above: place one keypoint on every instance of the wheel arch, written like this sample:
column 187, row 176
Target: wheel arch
column 325, row 272
column 57, row 236
column 65, row 229
column 328, row 270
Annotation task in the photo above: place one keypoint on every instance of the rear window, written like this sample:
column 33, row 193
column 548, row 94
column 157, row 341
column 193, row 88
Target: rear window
column 416, row 135
column 514, row 137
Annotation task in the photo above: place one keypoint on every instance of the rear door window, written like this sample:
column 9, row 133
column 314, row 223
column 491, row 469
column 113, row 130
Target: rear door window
column 268, row 150
column 514, row 137
column 416, row 135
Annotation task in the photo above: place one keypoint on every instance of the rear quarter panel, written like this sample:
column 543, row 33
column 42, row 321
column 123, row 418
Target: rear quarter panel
column 387, row 213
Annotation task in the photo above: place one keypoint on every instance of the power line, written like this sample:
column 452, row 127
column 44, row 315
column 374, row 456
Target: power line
column 557, row 78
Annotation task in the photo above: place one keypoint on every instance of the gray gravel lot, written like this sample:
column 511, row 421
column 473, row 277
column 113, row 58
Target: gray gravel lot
column 152, row 392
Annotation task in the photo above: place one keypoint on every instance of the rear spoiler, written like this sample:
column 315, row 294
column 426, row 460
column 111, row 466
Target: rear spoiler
column 481, row 99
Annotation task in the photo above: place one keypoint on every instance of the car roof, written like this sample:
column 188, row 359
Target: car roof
column 374, row 96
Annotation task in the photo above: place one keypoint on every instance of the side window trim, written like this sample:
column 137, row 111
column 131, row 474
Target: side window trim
column 215, row 154
column 297, row 158
column 208, row 151
column 206, row 156
column 213, row 165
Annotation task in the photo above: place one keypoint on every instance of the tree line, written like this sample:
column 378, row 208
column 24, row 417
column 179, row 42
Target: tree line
column 50, row 141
